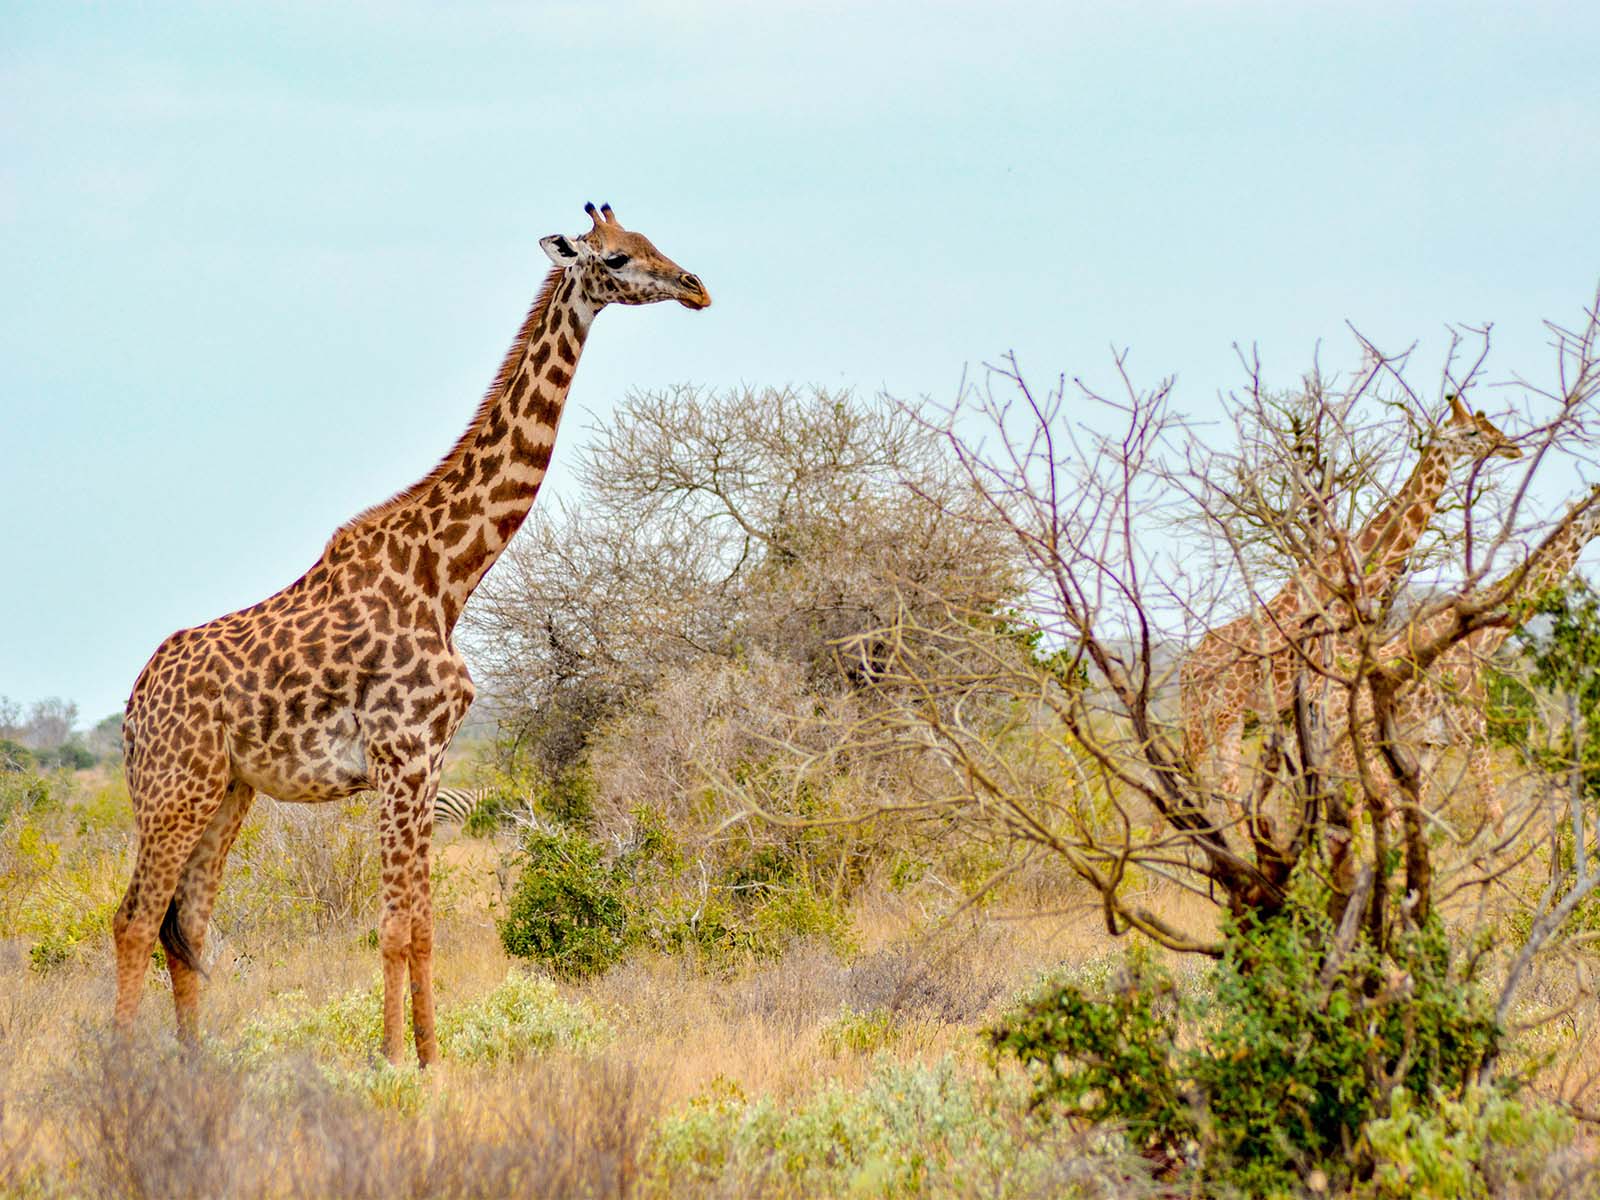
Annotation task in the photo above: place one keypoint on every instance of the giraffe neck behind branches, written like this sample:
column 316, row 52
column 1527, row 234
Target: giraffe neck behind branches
column 1384, row 543
column 1549, row 567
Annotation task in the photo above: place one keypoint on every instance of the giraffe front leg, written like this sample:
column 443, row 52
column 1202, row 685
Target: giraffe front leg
column 405, row 824
column 422, row 953
column 1480, row 765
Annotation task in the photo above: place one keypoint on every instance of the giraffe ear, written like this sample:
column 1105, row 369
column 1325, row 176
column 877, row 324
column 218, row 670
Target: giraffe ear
column 561, row 249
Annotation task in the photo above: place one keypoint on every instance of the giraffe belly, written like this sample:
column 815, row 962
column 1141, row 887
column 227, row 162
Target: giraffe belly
column 327, row 764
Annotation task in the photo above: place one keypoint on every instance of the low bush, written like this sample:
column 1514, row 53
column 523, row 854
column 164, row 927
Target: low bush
column 63, row 863
column 578, row 907
column 911, row 1130
column 299, row 870
column 523, row 1016
column 860, row 1032
column 568, row 908
column 1276, row 1072
column 1483, row 1144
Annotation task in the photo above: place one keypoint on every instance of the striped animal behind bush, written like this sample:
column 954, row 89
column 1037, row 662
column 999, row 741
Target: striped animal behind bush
column 456, row 805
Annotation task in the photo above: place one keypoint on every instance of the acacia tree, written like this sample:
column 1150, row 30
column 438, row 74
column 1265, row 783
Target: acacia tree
column 1140, row 532
column 711, row 527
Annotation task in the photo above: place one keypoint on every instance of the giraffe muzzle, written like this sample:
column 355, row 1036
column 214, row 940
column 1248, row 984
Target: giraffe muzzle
column 695, row 295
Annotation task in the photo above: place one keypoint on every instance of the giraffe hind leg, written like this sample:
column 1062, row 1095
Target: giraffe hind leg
column 173, row 809
column 189, row 911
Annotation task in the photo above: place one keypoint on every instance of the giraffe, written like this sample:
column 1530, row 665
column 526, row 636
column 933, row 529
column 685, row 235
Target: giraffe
column 1448, row 701
column 1248, row 665
column 349, row 679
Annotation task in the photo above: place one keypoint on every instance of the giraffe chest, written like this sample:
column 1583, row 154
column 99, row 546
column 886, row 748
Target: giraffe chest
column 306, row 710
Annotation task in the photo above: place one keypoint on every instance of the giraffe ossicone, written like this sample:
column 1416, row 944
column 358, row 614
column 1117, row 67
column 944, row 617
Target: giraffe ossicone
column 349, row 678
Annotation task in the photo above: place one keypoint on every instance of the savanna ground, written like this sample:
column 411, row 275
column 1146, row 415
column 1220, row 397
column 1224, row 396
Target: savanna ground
column 845, row 1057
column 843, row 1065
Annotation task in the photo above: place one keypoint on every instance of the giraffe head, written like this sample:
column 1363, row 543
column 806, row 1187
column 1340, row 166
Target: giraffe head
column 614, row 266
column 1468, row 434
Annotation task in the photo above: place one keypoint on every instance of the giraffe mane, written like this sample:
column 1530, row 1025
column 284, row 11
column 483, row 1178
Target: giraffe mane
column 502, row 379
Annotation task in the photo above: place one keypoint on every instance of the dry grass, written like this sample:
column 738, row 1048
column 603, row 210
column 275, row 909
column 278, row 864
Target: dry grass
column 86, row 1114
column 82, row 1114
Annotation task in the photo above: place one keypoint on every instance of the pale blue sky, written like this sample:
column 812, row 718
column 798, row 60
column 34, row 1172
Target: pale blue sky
column 260, row 261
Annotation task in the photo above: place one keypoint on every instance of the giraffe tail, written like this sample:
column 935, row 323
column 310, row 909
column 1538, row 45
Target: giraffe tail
column 173, row 940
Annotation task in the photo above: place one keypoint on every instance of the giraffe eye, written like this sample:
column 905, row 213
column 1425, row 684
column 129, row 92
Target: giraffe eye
column 615, row 261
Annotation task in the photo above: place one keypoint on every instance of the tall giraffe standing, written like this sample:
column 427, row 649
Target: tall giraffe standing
column 1449, row 698
column 1248, row 666
column 349, row 679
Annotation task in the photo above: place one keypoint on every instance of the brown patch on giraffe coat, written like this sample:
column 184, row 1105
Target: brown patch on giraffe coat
column 399, row 554
column 529, row 454
column 512, row 491
column 470, row 561
column 544, row 411
column 507, row 525
column 426, row 573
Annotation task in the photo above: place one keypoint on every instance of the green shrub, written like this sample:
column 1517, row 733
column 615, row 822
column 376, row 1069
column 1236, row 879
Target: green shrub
column 71, row 901
column 568, row 909
column 860, row 1033
column 350, row 1026
column 24, row 791
column 912, row 1130
column 524, row 1015
column 569, row 798
column 48, row 953
column 1484, row 1144
column 1270, row 1074
column 1110, row 1057
column 486, row 816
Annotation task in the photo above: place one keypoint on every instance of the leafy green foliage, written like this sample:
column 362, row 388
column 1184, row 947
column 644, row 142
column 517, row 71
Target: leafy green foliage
column 1560, row 644
column 1272, row 1072
column 578, row 909
column 61, row 869
column 568, row 909
column 913, row 1130
column 1111, row 1058
column 523, row 1016
column 1482, row 1144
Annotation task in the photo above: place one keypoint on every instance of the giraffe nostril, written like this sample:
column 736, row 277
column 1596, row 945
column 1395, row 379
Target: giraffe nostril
column 691, row 281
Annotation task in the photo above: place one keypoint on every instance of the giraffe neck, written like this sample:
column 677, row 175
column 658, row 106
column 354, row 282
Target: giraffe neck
column 1552, row 566
column 445, row 531
column 1386, row 541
